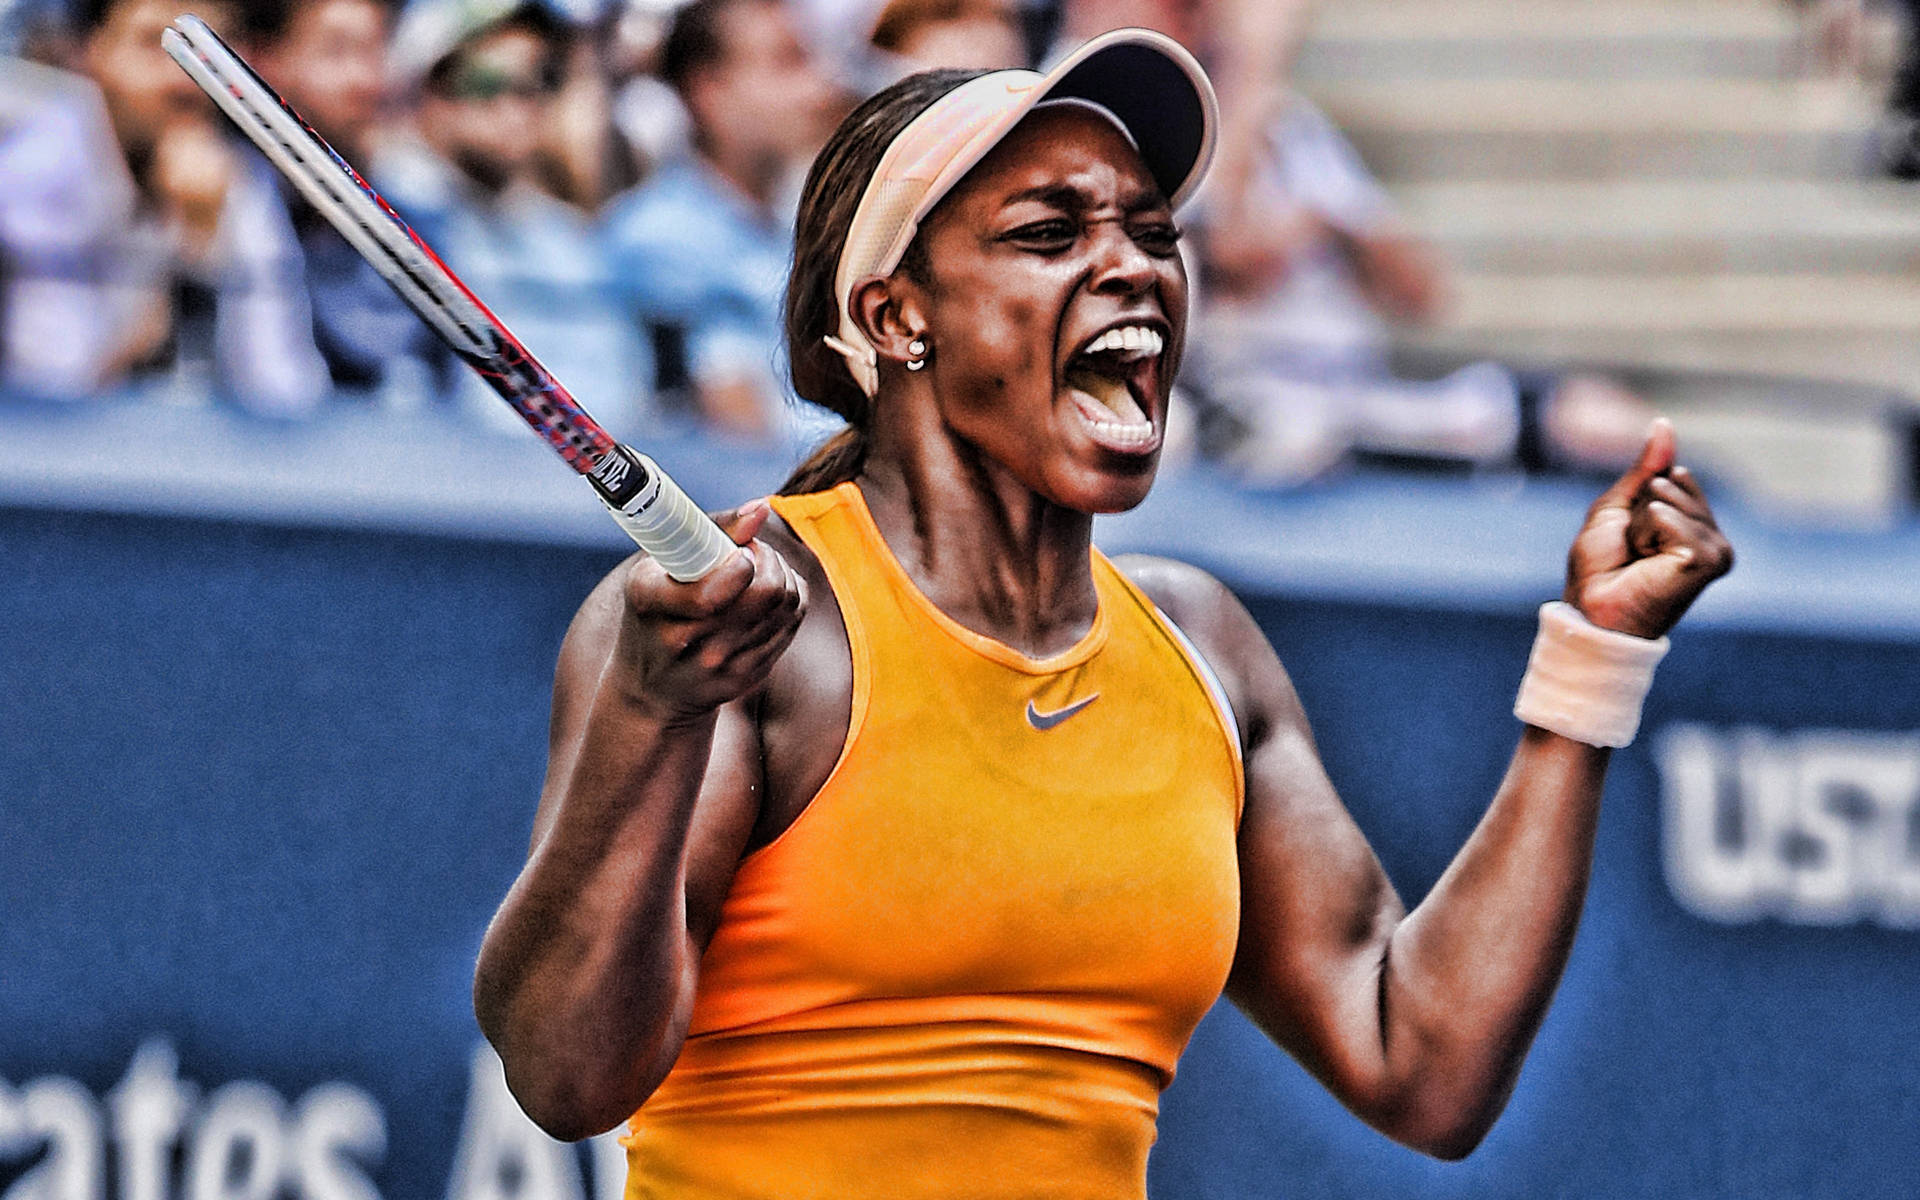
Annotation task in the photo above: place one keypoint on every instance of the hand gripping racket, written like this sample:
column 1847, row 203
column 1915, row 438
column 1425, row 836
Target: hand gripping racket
column 654, row 511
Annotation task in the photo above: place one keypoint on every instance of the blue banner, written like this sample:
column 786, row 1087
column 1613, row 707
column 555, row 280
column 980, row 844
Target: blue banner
column 264, row 786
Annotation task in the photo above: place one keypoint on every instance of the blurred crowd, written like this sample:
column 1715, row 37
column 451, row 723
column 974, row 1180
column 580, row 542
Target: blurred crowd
column 617, row 178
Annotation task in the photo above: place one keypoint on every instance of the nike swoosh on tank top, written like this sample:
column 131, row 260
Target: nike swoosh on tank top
column 969, row 966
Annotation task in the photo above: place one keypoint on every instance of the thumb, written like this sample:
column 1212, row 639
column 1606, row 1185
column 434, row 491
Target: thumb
column 1656, row 458
column 742, row 523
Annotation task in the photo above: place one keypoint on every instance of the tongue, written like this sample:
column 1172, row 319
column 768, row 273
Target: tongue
column 1111, row 394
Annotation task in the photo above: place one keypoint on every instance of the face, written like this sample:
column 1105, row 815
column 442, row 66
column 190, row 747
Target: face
column 1056, row 310
column 330, row 64
column 765, row 90
column 1182, row 20
column 486, row 114
column 145, row 91
column 967, row 43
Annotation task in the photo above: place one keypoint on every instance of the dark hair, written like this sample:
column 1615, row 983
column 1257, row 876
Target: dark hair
column 834, row 186
column 901, row 19
column 693, row 41
column 86, row 16
column 252, row 19
column 269, row 20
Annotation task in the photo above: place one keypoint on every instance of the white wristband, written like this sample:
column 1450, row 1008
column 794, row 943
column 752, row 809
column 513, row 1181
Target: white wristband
column 1585, row 682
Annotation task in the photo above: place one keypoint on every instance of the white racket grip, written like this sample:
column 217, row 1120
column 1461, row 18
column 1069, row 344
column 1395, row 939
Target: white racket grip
column 666, row 523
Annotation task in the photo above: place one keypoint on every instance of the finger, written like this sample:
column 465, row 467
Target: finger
column 1691, row 546
column 771, row 591
column 1690, row 483
column 1644, row 529
column 651, row 592
column 1675, row 533
column 1668, row 490
column 731, row 650
column 742, row 523
column 758, row 660
column 1656, row 457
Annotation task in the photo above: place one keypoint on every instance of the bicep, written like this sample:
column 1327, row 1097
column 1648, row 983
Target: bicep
column 1316, row 908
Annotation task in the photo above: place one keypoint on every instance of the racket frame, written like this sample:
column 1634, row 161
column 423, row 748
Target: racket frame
column 653, row 510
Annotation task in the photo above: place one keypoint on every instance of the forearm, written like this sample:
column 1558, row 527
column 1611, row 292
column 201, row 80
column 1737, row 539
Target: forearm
column 1466, row 978
column 585, row 976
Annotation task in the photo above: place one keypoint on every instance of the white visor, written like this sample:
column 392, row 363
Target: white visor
column 1145, row 82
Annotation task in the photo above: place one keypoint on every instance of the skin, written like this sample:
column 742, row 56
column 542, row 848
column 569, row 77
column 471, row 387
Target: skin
column 692, row 723
column 180, row 163
column 149, row 98
column 330, row 64
column 493, row 141
column 763, row 103
column 758, row 109
column 987, row 41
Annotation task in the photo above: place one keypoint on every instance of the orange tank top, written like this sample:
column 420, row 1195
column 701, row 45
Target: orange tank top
column 968, row 967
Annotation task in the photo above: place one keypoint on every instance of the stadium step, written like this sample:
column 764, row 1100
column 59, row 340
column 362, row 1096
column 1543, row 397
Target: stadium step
column 1663, row 189
column 1737, row 226
column 1856, row 328
column 1552, row 129
column 1554, row 39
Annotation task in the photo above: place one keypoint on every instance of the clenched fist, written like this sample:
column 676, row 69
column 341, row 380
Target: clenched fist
column 1649, row 545
column 692, row 647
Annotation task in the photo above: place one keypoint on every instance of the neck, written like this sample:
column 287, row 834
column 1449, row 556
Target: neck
column 989, row 552
column 753, row 175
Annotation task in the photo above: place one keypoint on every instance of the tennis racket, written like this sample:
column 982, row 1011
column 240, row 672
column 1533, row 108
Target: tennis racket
column 654, row 511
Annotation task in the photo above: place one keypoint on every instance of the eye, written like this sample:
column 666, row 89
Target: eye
column 1048, row 236
column 1160, row 238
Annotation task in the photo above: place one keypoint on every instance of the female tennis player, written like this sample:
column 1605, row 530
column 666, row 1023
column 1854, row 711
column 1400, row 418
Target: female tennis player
column 899, row 856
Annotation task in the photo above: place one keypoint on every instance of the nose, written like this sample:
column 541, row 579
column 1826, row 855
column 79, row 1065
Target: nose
column 1121, row 266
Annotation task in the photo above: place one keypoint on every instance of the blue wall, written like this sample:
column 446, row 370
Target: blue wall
column 262, row 787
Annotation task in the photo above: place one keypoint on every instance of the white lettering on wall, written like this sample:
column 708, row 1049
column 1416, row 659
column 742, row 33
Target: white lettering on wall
column 242, row 1144
column 503, row 1155
column 1817, row 827
column 59, row 1116
column 336, row 1127
column 245, row 1142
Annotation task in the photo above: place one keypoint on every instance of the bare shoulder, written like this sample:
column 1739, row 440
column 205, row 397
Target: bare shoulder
column 1190, row 596
column 1225, row 634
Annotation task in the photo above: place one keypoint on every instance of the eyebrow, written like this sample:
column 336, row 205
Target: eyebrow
column 1061, row 195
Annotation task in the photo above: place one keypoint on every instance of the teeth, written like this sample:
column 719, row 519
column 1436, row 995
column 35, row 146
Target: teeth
column 1134, row 341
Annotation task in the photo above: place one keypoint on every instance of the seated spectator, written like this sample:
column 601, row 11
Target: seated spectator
column 482, row 76
column 1899, row 134
column 1303, row 275
column 139, row 241
column 703, row 246
column 328, row 58
column 921, row 35
column 647, row 114
column 584, row 157
column 1304, row 269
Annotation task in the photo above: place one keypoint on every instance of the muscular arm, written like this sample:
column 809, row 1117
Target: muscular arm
column 586, row 975
column 1419, row 1021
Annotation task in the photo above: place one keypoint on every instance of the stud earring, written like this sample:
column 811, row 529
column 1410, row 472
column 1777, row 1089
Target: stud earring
column 918, row 349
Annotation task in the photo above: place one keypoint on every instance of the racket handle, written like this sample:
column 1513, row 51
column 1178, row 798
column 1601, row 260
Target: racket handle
column 666, row 523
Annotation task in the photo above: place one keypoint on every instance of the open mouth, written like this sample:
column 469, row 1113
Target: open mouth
column 1111, row 381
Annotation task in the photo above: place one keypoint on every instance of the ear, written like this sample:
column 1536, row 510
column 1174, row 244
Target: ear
column 891, row 312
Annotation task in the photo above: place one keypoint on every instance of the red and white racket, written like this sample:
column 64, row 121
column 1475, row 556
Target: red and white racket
column 654, row 511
